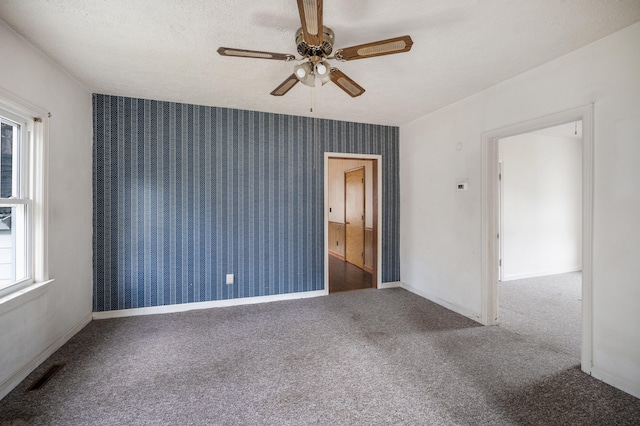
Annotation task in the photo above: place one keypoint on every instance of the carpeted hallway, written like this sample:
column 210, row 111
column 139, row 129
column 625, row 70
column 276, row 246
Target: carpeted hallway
column 360, row 357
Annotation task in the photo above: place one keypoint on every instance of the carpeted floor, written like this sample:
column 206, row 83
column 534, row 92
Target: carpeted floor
column 362, row 357
column 545, row 309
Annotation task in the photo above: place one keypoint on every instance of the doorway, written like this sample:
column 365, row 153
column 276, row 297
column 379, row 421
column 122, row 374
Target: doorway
column 352, row 233
column 354, row 209
column 491, row 223
column 540, row 236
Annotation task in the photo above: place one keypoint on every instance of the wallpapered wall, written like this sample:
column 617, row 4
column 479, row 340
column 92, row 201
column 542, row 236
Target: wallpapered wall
column 185, row 194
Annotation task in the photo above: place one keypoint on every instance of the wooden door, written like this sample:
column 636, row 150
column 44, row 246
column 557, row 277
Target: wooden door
column 354, row 216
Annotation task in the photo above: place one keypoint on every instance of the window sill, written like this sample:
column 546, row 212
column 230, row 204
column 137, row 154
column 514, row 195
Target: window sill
column 19, row 297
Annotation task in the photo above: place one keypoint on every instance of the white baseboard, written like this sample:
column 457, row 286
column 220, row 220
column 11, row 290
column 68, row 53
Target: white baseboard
column 183, row 307
column 525, row 275
column 451, row 306
column 394, row 284
column 625, row 385
column 18, row 377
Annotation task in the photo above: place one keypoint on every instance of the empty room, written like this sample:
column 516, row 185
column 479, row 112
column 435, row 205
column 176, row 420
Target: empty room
column 438, row 225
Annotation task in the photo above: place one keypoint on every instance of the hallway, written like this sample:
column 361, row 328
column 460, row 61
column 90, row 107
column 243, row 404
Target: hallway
column 344, row 276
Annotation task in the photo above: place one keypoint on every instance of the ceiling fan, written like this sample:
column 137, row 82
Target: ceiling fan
column 315, row 45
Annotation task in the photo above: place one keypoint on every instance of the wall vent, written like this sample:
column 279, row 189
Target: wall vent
column 46, row 377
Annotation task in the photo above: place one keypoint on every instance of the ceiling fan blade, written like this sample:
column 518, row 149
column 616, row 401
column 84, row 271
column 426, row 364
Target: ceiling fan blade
column 377, row 48
column 345, row 83
column 311, row 19
column 241, row 53
column 286, row 85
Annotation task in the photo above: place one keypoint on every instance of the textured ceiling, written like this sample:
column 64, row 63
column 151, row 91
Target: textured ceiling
column 166, row 49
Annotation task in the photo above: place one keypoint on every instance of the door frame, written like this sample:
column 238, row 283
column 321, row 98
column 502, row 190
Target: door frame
column 377, row 212
column 490, row 225
column 500, row 213
column 364, row 209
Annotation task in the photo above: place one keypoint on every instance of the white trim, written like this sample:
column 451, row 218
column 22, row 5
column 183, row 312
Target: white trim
column 536, row 274
column 490, row 249
column 435, row 299
column 327, row 156
column 629, row 386
column 10, row 202
column 36, row 152
column 15, row 295
column 394, row 284
column 183, row 307
column 22, row 374
column 587, row 237
column 500, row 212
column 14, row 103
column 40, row 196
column 325, row 223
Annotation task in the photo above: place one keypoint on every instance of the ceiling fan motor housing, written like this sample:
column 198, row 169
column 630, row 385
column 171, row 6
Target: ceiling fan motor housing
column 306, row 50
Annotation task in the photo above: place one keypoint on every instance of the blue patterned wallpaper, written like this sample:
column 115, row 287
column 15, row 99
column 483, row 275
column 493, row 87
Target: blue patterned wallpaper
column 185, row 194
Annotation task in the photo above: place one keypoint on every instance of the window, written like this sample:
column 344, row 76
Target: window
column 14, row 203
column 22, row 212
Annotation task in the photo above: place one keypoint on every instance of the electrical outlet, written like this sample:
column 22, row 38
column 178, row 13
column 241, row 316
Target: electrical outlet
column 229, row 278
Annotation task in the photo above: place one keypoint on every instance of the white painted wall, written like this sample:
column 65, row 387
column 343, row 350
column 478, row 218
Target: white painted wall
column 541, row 205
column 441, row 229
column 37, row 323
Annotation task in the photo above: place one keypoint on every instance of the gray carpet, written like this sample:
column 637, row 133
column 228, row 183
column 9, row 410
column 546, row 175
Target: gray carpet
column 361, row 357
column 546, row 309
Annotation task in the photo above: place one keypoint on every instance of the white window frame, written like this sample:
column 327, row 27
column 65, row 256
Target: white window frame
column 33, row 181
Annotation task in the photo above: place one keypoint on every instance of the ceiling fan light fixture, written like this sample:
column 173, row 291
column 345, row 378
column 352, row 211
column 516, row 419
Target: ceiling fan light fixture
column 321, row 69
column 309, row 80
column 314, row 44
column 302, row 71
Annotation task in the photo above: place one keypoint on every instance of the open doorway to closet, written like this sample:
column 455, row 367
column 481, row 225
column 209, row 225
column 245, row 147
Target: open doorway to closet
column 351, row 210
